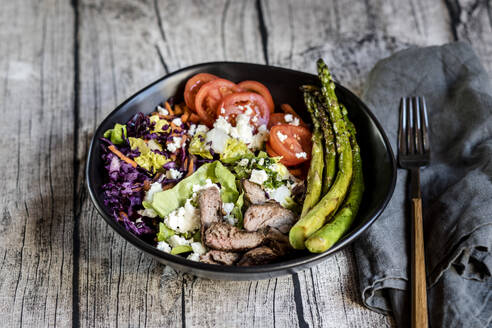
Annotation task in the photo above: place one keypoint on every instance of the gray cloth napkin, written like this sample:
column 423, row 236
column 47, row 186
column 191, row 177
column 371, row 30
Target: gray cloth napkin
column 456, row 190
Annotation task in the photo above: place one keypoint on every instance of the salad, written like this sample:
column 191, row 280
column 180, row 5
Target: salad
column 227, row 177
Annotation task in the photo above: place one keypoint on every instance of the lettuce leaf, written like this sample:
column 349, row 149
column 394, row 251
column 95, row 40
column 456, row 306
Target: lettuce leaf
column 235, row 150
column 148, row 160
column 237, row 211
column 160, row 124
column 116, row 134
column 197, row 146
column 164, row 202
column 164, row 232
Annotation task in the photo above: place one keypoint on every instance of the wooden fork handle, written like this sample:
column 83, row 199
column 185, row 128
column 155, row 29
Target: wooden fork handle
column 419, row 292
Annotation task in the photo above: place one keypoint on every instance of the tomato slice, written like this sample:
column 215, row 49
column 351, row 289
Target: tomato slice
column 290, row 141
column 209, row 96
column 279, row 118
column 249, row 103
column 272, row 153
column 261, row 89
column 193, row 85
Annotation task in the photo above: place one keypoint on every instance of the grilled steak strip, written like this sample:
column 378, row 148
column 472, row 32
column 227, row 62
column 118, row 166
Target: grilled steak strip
column 270, row 214
column 225, row 237
column 210, row 206
column 253, row 193
column 259, row 255
column 219, row 257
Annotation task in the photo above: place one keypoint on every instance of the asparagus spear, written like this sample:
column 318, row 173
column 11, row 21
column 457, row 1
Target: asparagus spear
column 330, row 202
column 313, row 189
column 331, row 232
column 324, row 121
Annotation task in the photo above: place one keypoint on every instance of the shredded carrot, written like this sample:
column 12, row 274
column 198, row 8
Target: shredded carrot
column 190, row 167
column 185, row 116
column 173, row 156
column 183, row 139
column 288, row 109
column 166, row 117
column 178, row 110
column 169, row 109
column 194, row 118
column 122, row 214
column 174, row 126
column 122, row 157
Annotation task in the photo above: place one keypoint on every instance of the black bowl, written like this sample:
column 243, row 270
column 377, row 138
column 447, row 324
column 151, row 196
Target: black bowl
column 377, row 155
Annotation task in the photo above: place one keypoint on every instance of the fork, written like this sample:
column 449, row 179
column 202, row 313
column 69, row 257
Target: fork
column 414, row 153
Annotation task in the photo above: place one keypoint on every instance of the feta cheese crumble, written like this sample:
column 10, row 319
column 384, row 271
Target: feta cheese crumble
column 173, row 174
column 228, row 207
column 288, row 118
column 258, row 176
column 198, row 248
column 173, row 146
column 243, row 162
column 184, row 219
column 155, row 187
column 280, row 194
column 281, row 136
column 301, row 155
column 163, row 246
column 176, row 240
column 177, row 121
column 161, row 110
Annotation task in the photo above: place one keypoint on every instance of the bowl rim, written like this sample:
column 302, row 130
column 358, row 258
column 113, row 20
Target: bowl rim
column 212, row 268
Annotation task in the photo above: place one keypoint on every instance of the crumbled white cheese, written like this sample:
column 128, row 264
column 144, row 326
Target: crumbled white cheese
column 259, row 138
column 192, row 130
column 261, row 161
column 201, row 128
column 243, row 131
column 155, row 187
column 248, row 110
column 173, row 174
column 173, row 146
column 281, row 136
column 222, row 124
column 177, row 121
column 198, row 248
column 295, row 121
column 193, row 257
column 176, row 240
column 228, row 207
column 280, row 194
column 218, row 139
column 148, row 212
column 230, row 219
column 163, row 246
column 184, row 219
column 288, row 118
column 222, row 110
column 243, row 162
column 208, row 184
column 258, row 176
column 301, row 155
column 161, row 110
column 254, row 119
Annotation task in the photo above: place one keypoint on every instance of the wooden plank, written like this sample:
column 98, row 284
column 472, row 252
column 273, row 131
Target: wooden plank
column 471, row 21
column 36, row 153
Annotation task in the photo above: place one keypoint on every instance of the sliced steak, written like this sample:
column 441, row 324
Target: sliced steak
column 257, row 256
column 210, row 206
column 253, row 192
column 219, row 257
column 225, row 237
column 270, row 214
column 278, row 242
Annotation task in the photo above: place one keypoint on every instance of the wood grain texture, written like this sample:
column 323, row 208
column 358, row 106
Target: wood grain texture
column 36, row 149
column 65, row 65
column 419, row 318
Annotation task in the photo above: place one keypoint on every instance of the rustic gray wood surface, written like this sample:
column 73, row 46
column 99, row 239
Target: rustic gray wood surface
column 64, row 65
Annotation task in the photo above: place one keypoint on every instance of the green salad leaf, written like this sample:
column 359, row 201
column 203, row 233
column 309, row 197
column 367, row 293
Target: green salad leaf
column 164, row 232
column 197, row 146
column 148, row 159
column 116, row 134
column 164, row 202
column 235, row 150
column 181, row 249
column 159, row 124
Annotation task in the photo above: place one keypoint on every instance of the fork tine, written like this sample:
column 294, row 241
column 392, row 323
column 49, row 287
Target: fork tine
column 417, row 125
column 425, row 126
column 410, row 138
column 402, row 143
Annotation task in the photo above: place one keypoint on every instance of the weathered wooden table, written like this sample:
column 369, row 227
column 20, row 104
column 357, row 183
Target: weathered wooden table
column 64, row 65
